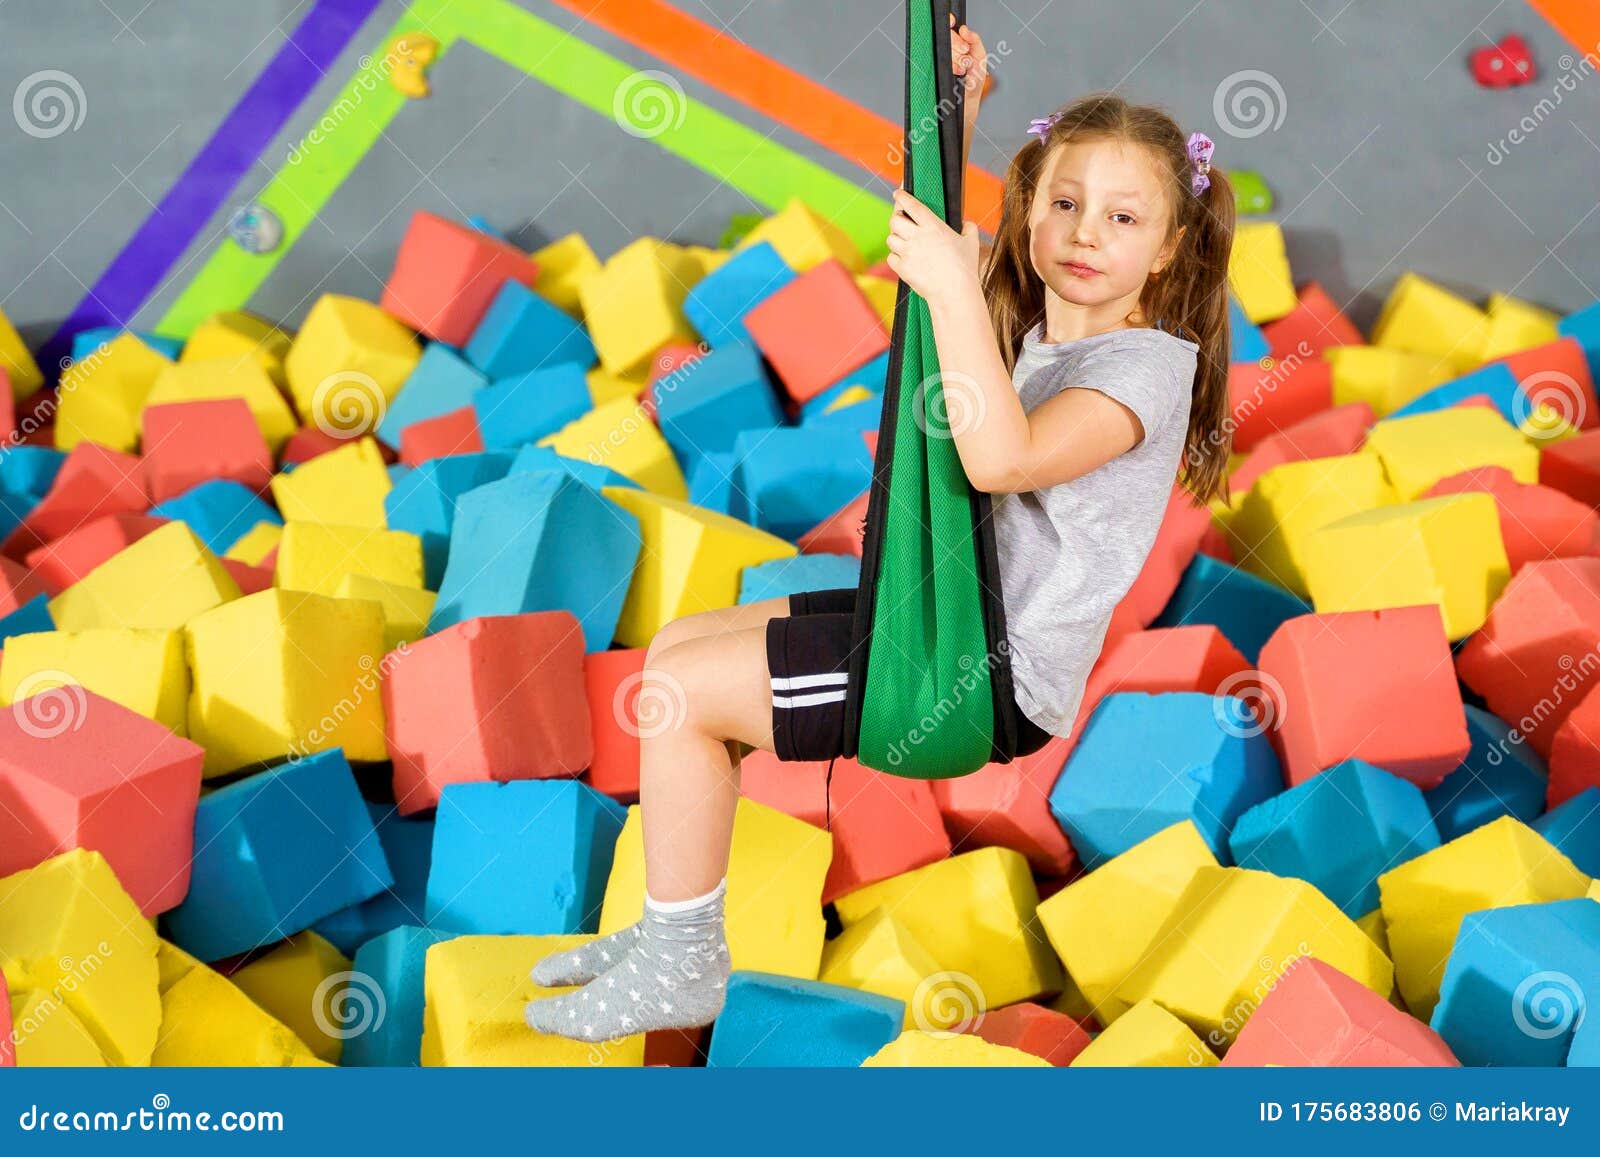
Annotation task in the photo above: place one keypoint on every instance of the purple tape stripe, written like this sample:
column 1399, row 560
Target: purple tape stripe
column 217, row 168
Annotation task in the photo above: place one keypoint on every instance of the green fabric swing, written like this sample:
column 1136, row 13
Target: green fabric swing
column 930, row 675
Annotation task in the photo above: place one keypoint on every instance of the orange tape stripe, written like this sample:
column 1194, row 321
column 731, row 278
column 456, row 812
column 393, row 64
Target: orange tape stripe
column 1577, row 20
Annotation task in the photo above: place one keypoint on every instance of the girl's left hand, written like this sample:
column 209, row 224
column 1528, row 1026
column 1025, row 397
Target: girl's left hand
column 929, row 256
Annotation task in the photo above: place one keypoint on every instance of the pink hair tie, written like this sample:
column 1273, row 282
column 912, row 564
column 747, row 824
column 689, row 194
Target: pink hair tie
column 1200, row 148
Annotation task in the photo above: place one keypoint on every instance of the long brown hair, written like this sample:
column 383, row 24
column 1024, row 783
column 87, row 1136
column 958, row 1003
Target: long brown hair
column 1188, row 298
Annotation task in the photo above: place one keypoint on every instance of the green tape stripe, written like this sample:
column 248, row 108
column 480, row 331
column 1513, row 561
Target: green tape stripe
column 767, row 173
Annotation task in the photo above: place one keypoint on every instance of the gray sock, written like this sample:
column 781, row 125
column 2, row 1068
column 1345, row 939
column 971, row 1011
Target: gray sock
column 582, row 964
column 674, row 975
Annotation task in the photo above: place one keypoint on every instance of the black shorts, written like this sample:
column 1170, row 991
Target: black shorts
column 808, row 662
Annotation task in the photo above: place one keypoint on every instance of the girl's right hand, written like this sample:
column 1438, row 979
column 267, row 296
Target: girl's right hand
column 970, row 61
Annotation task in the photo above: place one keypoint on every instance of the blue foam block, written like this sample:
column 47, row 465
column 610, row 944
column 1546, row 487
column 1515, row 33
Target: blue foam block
column 1340, row 830
column 397, row 471
column 1501, row 775
column 770, row 1020
column 802, row 572
column 871, row 376
column 1247, row 344
column 511, row 552
column 1144, row 762
column 1584, row 325
column 31, row 617
column 1246, row 609
column 1585, row 1050
column 529, row 856
column 523, row 408
column 703, row 405
column 711, row 482
column 219, row 511
column 522, row 331
column 274, row 853
column 1495, row 380
column 531, row 459
column 86, row 341
column 393, row 966
column 408, row 848
column 30, row 470
column 717, row 303
column 863, row 414
column 441, row 381
column 483, row 225
column 1518, row 983
column 786, row 480
column 424, row 502
column 1574, row 828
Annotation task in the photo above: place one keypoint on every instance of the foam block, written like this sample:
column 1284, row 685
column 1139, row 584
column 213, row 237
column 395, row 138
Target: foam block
column 90, row 482
column 1258, row 271
column 1168, row 659
column 1329, row 702
column 1381, row 378
column 1423, row 317
column 1418, row 451
column 1146, row 1036
column 63, row 561
column 1315, row 1015
column 30, row 618
column 1269, row 397
column 805, row 572
column 525, row 407
column 408, row 847
column 563, row 264
column 218, row 511
column 713, row 399
column 304, row 983
column 1498, row 865
column 773, row 903
column 239, row 335
column 392, row 965
column 717, row 304
column 8, row 1048
column 1499, row 776
column 1573, row 828
column 509, row 555
column 523, row 331
column 446, row 274
column 143, row 670
column 526, row 857
column 1574, row 753
column 207, row 1020
column 1246, row 609
column 310, row 686
column 976, row 914
column 17, row 361
column 1008, row 805
column 441, row 382
column 72, row 938
column 424, row 502
column 1536, row 522
column 1229, row 937
column 879, row 954
column 1324, row 434
column 187, row 443
column 244, row 379
column 786, row 480
column 405, row 607
column 774, row 1020
column 1122, row 783
column 274, row 853
column 915, row 1048
column 99, row 398
column 803, row 238
column 816, row 328
column 1314, row 325
column 161, row 582
column 612, row 682
column 318, row 557
column 1101, row 923
column 344, row 487
column 634, row 304
column 1034, row 1029
column 475, row 988
column 633, row 447
column 1519, row 982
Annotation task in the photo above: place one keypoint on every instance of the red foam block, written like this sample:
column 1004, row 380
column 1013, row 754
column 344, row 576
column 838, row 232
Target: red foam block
column 1327, row 434
column 455, row 432
column 1575, row 753
column 1536, row 522
column 1182, row 527
column 18, row 584
column 93, row 481
column 63, row 561
column 611, row 681
column 1315, row 324
column 1044, row 1032
column 1007, row 805
column 187, row 443
column 816, row 329
column 446, row 274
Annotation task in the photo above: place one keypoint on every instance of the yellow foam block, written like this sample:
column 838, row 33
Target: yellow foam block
column 773, row 904
column 350, row 358
column 1418, row 450
column 1231, row 935
column 1446, row 551
column 238, row 336
column 690, row 562
column 1268, row 531
column 299, row 983
column 879, row 954
column 605, row 386
column 619, row 434
column 1502, row 863
column 917, row 1049
column 1071, row 1001
column 1372, row 924
column 1515, row 326
column 206, row 1019
column 281, row 672
column 144, row 670
column 804, row 238
column 405, row 608
column 160, row 581
column 229, row 377
column 70, row 932
column 1258, row 271
column 850, row 397
column 17, row 360
column 563, row 264
column 633, row 305
column 1424, row 317
column 1594, row 890
column 474, row 990
column 47, row 1035
column 880, row 293
column 1146, row 1036
column 977, row 915
column 316, row 556
column 256, row 543
column 102, row 393
column 1385, row 379
column 1102, row 923
column 344, row 487
column 705, row 258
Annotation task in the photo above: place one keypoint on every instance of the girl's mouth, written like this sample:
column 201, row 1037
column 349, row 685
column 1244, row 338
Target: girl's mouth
column 1078, row 270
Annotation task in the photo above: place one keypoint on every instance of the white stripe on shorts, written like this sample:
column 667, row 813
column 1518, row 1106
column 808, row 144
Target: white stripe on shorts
column 794, row 682
column 808, row 700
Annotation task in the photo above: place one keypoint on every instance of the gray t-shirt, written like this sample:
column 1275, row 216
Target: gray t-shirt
column 1069, row 553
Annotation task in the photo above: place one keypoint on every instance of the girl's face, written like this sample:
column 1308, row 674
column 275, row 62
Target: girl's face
column 1098, row 224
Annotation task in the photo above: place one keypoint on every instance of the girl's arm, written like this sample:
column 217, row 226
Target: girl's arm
column 1003, row 448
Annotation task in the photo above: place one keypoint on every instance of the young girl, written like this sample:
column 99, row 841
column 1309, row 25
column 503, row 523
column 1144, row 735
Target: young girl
column 1094, row 349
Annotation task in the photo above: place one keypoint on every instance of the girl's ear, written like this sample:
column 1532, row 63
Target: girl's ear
column 1167, row 251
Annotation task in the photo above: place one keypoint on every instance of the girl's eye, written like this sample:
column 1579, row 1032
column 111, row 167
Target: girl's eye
column 1064, row 202
column 1128, row 217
